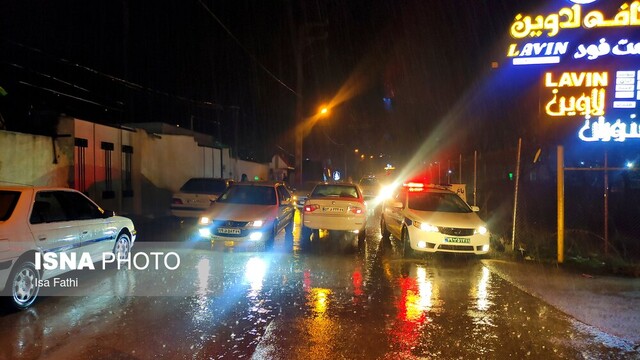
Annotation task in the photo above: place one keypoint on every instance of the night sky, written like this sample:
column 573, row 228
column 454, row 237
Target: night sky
column 193, row 61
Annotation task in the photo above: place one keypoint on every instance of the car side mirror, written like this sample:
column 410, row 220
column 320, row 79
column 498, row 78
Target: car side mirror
column 108, row 213
column 475, row 208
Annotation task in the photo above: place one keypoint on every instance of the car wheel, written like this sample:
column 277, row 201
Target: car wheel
column 305, row 236
column 24, row 285
column 407, row 251
column 122, row 247
column 383, row 229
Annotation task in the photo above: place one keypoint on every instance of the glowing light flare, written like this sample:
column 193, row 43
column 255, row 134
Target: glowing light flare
column 255, row 270
column 319, row 300
column 481, row 291
column 425, row 289
column 357, row 282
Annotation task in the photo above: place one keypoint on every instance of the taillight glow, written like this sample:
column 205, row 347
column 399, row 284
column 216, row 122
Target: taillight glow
column 311, row 208
column 356, row 210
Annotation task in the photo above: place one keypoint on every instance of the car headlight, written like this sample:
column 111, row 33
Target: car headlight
column 425, row 227
column 481, row 230
column 386, row 192
column 204, row 220
column 255, row 223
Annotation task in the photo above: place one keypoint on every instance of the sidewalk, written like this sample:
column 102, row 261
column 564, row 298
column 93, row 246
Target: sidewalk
column 611, row 304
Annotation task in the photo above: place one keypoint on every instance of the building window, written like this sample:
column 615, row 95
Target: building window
column 81, row 146
column 108, row 192
column 127, row 157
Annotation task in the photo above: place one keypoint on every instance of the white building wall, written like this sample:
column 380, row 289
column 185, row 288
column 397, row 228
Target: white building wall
column 29, row 159
column 160, row 164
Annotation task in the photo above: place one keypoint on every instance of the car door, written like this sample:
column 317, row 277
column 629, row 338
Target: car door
column 285, row 207
column 394, row 215
column 97, row 232
column 52, row 226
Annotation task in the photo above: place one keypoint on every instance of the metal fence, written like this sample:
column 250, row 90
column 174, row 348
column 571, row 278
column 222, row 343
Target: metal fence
column 529, row 225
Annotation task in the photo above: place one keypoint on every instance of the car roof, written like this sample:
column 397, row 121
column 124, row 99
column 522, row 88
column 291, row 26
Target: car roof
column 27, row 187
column 258, row 183
column 337, row 183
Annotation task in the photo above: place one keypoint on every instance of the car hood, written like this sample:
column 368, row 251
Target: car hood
column 240, row 212
column 447, row 219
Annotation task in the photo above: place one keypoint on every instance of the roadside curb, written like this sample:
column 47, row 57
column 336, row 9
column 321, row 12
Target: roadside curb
column 611, row 304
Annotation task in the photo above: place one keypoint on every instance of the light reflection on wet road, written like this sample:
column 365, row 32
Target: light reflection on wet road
column 324, row 303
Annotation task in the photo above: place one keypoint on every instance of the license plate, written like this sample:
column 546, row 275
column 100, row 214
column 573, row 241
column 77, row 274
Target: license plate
column 457, row 240
column 333, row 209
column 228, row 231
column 229, row 243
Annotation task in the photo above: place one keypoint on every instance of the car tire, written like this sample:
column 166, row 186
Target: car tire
column 23, row 285
column 383, row 229
column 122, row 247
column 407, row 251
column 305, row 236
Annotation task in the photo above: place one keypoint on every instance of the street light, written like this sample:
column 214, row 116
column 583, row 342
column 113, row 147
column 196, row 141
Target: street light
column 302, row 129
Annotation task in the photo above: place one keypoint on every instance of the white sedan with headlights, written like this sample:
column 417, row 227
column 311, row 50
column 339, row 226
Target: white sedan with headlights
column 248, row 214
column 433, row 219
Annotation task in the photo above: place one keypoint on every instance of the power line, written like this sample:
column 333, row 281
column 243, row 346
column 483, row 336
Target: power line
column 68, row 95
column 123, row 82
column 253, row 58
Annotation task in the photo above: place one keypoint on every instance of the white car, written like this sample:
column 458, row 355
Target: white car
column 248, row 214
column 334, row 207
column 433, row 219
column 36, row 221
column 370, row 187
column 196, row 195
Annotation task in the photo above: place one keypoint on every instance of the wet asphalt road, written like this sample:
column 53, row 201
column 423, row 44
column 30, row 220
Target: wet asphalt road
column 327, row 302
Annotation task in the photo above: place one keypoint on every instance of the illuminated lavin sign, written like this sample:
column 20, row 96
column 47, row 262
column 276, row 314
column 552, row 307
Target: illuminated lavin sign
column 576, row 93
column 602, row 130
column 571, row 18
column 591, row 82
column 574, row 17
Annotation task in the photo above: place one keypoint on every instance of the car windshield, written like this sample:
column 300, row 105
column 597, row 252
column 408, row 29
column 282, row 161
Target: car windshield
column 434, row 201
column 306, row 187
column 328, row 190
column 251, row 195
column 8, row 201
column 369, row 182
column 204, row 186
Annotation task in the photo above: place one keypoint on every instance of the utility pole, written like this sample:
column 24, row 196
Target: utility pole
column 234, row 114
column 300, row 39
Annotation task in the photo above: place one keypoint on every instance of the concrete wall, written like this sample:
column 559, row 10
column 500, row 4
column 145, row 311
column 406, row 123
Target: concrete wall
column 34, row 160
column 251, row 169
column 160, row 164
